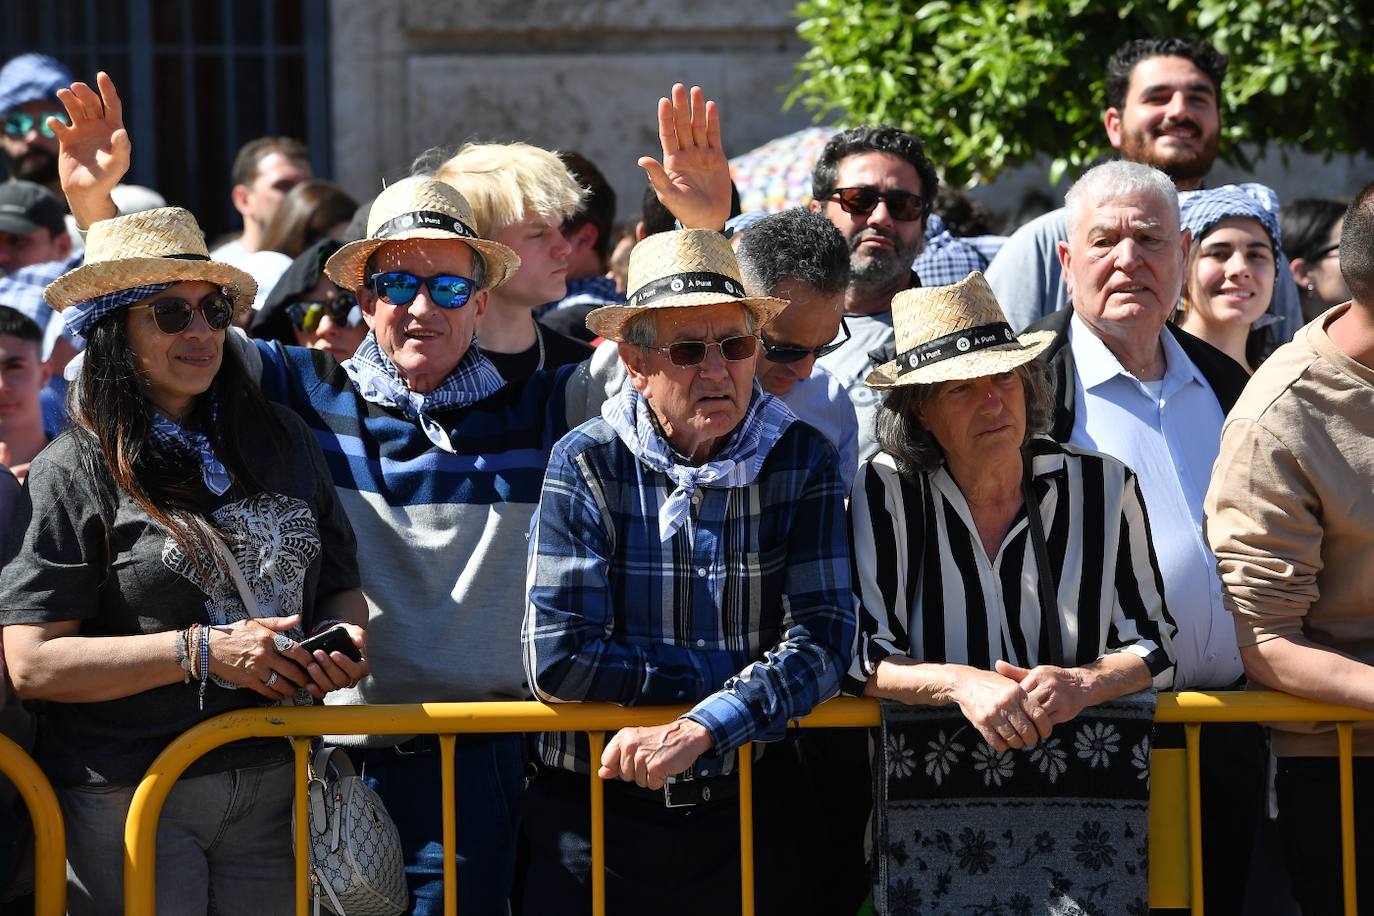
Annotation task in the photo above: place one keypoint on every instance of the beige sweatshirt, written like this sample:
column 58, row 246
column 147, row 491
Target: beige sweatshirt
column 1290, row 511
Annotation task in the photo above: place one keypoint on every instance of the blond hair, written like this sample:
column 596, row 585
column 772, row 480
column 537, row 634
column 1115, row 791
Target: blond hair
column 505, row 182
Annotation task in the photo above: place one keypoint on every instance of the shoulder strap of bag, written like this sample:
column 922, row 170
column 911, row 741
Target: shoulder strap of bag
column 1049, row 588
column 250, row 603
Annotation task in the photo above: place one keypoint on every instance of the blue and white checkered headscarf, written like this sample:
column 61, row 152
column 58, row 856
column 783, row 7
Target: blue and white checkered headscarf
column 171, row 437
column 80, row 317
column 739, row 465
column 31, row 78
column 1202, row 210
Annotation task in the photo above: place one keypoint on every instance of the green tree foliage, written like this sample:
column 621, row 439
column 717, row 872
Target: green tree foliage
column 989, row 85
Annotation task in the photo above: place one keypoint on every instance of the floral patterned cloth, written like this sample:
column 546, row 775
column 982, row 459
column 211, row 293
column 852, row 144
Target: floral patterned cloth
column 1058, row 829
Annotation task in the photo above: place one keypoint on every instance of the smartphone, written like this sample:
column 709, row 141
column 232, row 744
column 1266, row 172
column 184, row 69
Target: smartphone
column 334, row 639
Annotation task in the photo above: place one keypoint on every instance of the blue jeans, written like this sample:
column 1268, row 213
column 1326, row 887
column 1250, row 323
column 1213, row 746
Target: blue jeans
column 489, row 775
column 224, row 840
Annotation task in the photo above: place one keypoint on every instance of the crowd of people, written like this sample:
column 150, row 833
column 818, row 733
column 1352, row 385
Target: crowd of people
column 759, row 461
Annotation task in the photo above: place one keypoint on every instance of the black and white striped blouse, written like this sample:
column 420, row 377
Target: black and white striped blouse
column 927, row 589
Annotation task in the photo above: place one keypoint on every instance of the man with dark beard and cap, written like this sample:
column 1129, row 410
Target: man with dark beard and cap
column 28, row 97
column 1163, row 110
column 875, row 184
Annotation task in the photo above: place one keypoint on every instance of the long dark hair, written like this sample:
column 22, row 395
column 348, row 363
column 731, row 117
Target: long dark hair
column 113, row 424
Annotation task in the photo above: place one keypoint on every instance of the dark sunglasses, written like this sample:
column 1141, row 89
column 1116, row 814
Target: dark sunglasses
column 173, row 315
column 785, row 354
column 693, row 352
column 903, row 205
column 400, row 287
column 1321, row 254
column 19, row 123
column 306, row 315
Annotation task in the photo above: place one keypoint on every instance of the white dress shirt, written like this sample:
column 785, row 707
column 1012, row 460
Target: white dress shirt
column 1169, row 433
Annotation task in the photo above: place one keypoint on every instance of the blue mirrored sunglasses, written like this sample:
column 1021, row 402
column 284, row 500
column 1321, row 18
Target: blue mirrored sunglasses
column 400, row 287
column 19, row 123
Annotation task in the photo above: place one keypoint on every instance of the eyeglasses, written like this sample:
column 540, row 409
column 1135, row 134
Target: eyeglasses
column 399, row 287
column 781, row 353
column 173, row 315
column 307, row 315
column 693, row 352
column 1321, row 254
column 19, row 123
column 903, row 205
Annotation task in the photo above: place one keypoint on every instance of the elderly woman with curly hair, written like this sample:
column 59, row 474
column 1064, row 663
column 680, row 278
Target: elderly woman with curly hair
column 995, row 569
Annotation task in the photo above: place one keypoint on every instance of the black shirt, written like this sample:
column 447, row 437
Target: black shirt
column 556, row 350
column 292, row 541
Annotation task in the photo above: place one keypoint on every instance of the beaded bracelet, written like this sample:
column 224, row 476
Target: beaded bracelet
column 204, row 663
column 192, row 640
column 183, row 655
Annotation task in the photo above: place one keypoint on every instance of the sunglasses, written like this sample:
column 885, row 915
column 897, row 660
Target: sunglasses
column 903, row 205
column 172, row 315
column 400, row 287
column 1321, row 254
column 19, row 123
column 693, row 352
column 782, row 353
column 307, row 315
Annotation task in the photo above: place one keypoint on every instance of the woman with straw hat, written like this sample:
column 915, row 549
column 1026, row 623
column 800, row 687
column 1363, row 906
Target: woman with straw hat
column 996, row 569
column 960, row 464
column 171, row 551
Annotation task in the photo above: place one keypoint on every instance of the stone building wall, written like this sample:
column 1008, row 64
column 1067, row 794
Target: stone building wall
column 586, row 74
column 414, row 74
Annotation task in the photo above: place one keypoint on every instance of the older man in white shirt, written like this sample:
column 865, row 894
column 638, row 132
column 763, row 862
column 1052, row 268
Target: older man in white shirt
column 1131, row 385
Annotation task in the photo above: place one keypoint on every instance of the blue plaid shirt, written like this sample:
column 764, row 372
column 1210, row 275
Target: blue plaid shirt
column 23, row 290
column 745, row 611
column 946, row 259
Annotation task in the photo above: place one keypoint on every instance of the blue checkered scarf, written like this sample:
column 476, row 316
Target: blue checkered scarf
column 172, row 438
column 737, row 466
column 1201, row 210
column 80, row 317
column 376, row 378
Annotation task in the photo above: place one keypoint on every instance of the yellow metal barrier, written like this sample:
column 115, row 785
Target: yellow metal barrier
column 49, row 838
column 447, row 719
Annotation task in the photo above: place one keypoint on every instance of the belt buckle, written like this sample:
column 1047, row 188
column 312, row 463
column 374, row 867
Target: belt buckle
column 684, row 794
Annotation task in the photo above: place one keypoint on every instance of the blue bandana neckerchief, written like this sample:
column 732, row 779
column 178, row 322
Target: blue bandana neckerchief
column 80, row 317
column 737, row 466
column 172, row 437
column 376, row 378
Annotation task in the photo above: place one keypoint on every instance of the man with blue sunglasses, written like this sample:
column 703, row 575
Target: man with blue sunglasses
column 438, row 462
column 28, row 97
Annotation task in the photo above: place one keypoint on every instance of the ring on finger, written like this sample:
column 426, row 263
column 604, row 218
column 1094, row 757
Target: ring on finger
column 271, row 679
column 283, row 642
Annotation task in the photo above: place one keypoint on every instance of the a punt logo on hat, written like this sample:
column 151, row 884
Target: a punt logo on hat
column 952, row 332
column 424, row 219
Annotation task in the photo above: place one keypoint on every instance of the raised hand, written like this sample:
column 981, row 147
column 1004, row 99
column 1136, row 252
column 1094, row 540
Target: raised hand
column 693, row 181
column 94, row 148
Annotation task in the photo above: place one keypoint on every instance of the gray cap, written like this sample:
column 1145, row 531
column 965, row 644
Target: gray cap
column 27, row 207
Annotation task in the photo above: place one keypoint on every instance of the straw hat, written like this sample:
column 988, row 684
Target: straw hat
column 953, row 332
column 680, row 269
column 419, row 208
column 164, row 245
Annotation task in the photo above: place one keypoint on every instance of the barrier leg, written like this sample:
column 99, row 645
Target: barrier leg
column 597, row 740
column 447, row 744
column 1346, row 749
column 746, row 829
column 301, row 746
column 1192, row 739
column 49, row 834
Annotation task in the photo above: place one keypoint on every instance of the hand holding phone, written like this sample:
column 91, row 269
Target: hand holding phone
column 334, row 639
